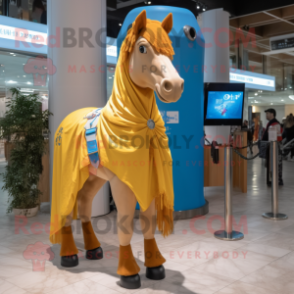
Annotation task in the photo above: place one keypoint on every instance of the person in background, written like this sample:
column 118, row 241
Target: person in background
column 261, row 130
column 38, row 10
column 273, row 122
column 283, row 122
column 44, row 17
column 288, row 133
column 245, row 124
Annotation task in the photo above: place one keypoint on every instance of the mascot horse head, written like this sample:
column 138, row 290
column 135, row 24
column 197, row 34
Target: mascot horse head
column 149, row 53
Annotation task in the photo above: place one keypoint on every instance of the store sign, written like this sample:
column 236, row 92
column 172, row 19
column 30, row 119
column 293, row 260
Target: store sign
column 111, row 51
column 22, row 35
column 31, row 37
column 253, row 80
column 282, row 42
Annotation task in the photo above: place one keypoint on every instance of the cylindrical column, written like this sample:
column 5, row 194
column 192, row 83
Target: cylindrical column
column 228, row 234
column 76, row 59
column 274, row 155
column 216, row 28
column 228, row 191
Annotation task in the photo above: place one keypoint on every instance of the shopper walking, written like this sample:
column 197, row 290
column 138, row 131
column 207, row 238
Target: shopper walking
column 275, row 124
column 288, row 133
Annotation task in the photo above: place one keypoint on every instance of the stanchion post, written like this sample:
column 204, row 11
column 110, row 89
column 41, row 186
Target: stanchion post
column 228, row 234
column 274, row 154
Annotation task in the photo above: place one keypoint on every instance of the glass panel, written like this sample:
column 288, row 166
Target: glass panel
column 2, row 106
column 2, row 89
column 31, row 10
column 278, row 65
column 29, row 79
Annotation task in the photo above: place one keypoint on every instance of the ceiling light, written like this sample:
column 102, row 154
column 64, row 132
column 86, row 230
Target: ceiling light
column 198, row 7
column 11, row 82
column 282, row 100
column 120, row 24
column 271, row 103
column 29, row 83
column 291, row 97
column 24, row 76
column 12, row 53
column 203, row 9
column 255, row 94
column 250, row 97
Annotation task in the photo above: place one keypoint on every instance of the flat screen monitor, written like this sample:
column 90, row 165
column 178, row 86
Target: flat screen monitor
column 224, row 103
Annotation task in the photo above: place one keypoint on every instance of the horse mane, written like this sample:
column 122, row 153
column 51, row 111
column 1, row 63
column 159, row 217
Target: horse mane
column 154, row 34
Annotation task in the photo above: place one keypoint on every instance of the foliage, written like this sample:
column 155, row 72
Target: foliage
column 23, row 125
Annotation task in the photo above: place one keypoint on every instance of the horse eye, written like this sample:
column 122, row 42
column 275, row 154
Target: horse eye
column 143, row 49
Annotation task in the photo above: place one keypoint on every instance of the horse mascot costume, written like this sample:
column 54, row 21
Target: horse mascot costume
column 132, row 153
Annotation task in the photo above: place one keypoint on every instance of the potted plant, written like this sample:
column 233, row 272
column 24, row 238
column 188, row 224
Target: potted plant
column 24, row 125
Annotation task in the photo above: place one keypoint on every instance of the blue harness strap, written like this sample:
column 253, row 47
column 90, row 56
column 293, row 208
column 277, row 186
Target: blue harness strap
column 91, row 139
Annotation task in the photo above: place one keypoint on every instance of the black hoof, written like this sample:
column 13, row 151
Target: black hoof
column 130, row 282
column 94, row 254
column 69, row 261
column 155, row 273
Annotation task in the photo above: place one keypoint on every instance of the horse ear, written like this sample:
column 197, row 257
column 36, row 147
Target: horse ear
column 140, row 22
column 167, row 23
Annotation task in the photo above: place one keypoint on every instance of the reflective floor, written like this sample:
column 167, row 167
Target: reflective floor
column 263, row 262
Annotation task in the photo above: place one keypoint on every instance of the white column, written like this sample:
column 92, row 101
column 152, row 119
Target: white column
column 80, row 77
column 217, row 57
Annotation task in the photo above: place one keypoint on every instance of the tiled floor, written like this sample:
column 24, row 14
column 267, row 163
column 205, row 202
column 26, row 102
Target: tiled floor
column 261, row 263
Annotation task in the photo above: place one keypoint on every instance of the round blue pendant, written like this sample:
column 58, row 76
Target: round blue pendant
column 151, row 124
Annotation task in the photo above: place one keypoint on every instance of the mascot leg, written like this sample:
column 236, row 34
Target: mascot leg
column 125, row 201
column 153, row 258
column 68, row 251
column 85, row 199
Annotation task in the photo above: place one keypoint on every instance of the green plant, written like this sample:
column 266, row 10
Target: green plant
column 23, row 125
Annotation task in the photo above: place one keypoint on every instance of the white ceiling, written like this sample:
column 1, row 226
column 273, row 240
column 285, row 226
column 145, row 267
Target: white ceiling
column 265, row 98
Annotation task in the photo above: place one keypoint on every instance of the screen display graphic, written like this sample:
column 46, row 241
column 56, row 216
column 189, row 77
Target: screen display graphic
column 224, row 105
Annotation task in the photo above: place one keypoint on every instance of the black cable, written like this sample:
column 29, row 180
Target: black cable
column 244, row 157
column 256, row 143
column 207, row 141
